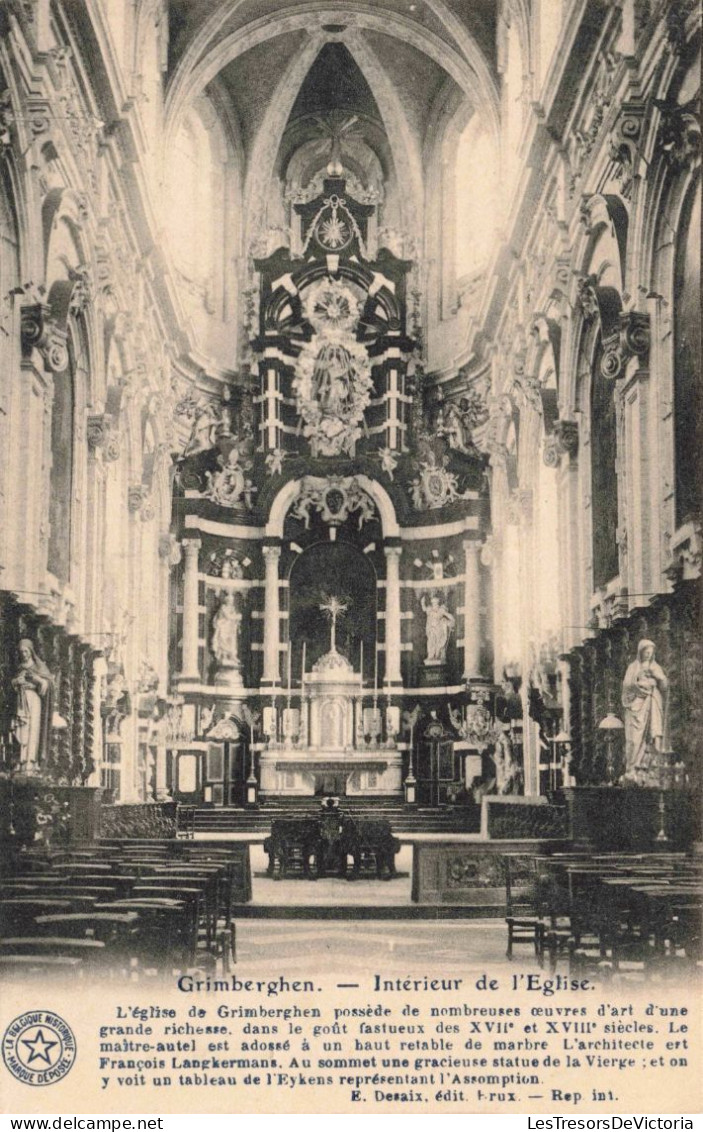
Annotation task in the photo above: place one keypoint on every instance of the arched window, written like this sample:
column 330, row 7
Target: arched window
column 476, row 182
column 185, row 203
column 688, row 403
column 514, row 100
column 202, row 206
column 604, row 479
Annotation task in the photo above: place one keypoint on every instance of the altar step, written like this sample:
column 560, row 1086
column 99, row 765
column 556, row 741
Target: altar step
column 356, row 912
column 402, row 820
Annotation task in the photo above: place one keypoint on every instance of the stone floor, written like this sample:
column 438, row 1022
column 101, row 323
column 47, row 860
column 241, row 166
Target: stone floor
column 352, row 949
column 331, row 891
column 302, row 943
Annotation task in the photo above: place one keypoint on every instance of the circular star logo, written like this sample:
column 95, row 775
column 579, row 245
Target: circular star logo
column 38, row 1047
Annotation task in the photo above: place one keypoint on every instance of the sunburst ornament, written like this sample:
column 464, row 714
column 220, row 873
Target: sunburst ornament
column 331, row 305
column 334, row 233
column 336, row 129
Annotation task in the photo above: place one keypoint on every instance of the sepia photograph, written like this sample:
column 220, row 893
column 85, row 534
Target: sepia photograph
column 351, row 491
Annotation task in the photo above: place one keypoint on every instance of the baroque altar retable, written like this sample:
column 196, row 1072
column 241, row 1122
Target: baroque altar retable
column 331, row 744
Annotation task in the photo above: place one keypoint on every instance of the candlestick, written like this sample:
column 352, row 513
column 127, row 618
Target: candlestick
column 375, row 676
column 289, row 672
column 361, row 663
column 302, row 672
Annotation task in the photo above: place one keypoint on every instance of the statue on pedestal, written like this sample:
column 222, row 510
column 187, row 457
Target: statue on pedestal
column 644, row 691
column 34, row 686
column 438, row 628
column 225, row 640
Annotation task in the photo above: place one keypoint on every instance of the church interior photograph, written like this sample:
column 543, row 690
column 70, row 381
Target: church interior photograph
column 351, row 485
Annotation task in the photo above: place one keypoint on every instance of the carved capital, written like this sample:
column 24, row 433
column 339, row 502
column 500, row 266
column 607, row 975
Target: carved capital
column 137, row 495
column 679, row 138
column 39, row 115
column 82, row 293
column 170, row 549
column 56, row 352
column 587, row 297
column 562, row 273
column 625, row 142
column 635, row 333
column 111, row 450
column 567, row 434
column 593, row 212
column 630, row 340
column 191, row 549
column 551, row 452
column 97, row 430
column 35, row 325
column 39, row 332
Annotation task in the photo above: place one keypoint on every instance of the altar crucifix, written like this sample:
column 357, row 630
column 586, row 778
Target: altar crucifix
column 335, row 608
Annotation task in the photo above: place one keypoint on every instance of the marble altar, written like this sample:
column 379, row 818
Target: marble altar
column 333, row 741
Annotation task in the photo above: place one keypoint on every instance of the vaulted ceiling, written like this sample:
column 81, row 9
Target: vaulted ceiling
column 409, row 56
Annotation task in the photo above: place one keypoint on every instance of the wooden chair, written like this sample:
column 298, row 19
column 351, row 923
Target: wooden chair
column 524, row 914
column 40, row 966
column 185, row 822
column 18, row 916
column 88, row 951
column 165, row 937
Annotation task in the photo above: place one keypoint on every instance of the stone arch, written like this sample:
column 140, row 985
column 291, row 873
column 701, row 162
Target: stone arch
column 466, row 65
column 285, row 497
column 406, row 159
column 69, row 281
column 194, row 73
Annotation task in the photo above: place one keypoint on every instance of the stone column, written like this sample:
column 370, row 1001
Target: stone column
column 393, row 554
column 472, row 609
column 162, row 794
column 272, row 616
column 189, row 665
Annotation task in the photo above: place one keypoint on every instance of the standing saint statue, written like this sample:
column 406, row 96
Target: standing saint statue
column 644, row 692
column 438, row 627
column 34, row 686
column 225, row 633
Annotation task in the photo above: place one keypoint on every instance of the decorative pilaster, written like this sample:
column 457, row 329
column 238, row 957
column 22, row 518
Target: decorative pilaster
column 393, row 675
column 98, row 675
column 472, row 609
column 272, row 616
column 190, row 667
column 161, row 783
